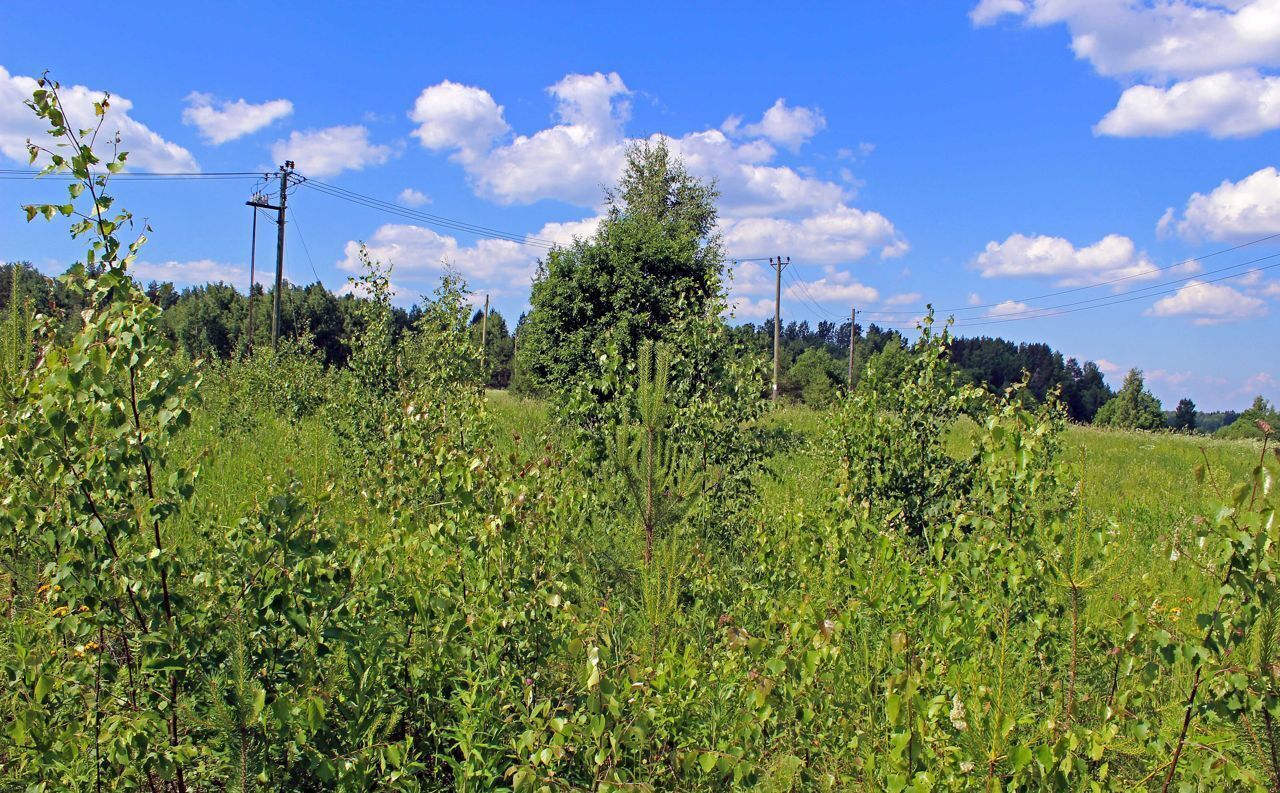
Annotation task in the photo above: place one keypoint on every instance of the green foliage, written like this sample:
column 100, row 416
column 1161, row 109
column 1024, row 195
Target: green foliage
column 429, row 602
column 889, row 436
column 816, row 376
column 1252, row 422
column 654, row 258
column 1133, row 407
column 1184, row 416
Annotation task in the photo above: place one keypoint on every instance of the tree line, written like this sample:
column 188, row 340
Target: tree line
column 213, row 321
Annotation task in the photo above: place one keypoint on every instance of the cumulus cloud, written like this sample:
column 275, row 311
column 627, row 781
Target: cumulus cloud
column 1200, row 62
column 840, row 235
column 1209, row 304
column 419, row 255
column 988, row 11
column 1179, row 38
column 1009, row 307
column 330, row 151
column 148, row 151
column 585, row 149
column 1226, row 105
column 457, row 117
column 220, row 121
column 1114, row 256
column 1107, row 367
column 413, row 198
column 1232, row 210
column 835, row 287
column 790, row 127
column 746, row 308
column 904, row 299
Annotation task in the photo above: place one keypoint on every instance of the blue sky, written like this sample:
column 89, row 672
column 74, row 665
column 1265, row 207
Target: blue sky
column 969, row 154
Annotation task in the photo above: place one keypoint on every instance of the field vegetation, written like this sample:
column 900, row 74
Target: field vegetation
column 274, row 573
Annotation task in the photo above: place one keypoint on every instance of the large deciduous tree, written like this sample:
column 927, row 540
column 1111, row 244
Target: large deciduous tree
column 654, row 259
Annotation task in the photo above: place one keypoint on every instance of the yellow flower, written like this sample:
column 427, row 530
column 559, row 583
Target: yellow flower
column 61, row 611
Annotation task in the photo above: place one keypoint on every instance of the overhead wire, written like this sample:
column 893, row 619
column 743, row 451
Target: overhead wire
column 797, row 285
column 425, row 217
column 998, row 319
column 1107, row 282
column 298, row 228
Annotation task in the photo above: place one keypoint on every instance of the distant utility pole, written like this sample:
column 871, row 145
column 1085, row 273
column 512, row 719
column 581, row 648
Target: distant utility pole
column 484, row 332
column 285, row 171
column 778, row 266
column 253, row 204
column 853, row 320
column 259, row 202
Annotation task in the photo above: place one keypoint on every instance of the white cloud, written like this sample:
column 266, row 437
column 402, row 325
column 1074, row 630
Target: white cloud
column 786, row 126
column 220, row 121
column 904, row 299
column 1226, row 105
column 452, row 116
column 1261, row 383
column 419, row 255
column 193, row 273
column 836, row 287
column 1198, row 61
column 1114, row 256
column 988, row 11
column 746, row 308
column 1232, row 210
column 1009, row 307
column 330, row 151
column 1209, row 304
column 585, row 150
column 1175, row 38
column 1107, row 367
column 413, row 198
column 974, row 299
column 147, row 150
column 840, row 235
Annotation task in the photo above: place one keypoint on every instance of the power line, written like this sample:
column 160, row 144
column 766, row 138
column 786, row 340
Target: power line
column 14, row 173
column 1127, row 299
column 802, row 292
column 298, row 227
column 426, row 217
column 1109, row 282
column 1138, row 292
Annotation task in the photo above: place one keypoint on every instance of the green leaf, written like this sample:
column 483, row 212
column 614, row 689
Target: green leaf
column 44, row 685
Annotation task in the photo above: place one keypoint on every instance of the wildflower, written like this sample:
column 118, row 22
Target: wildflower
column 61, row 611
column 957, row 714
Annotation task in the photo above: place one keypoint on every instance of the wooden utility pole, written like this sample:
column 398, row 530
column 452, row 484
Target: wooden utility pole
column 285, row 171
column 778, row 265
column 253, row 258
column 259, row 201
column 853, row 330
column 484, row 333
